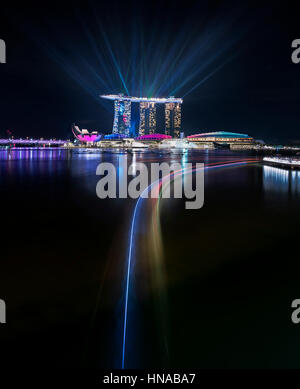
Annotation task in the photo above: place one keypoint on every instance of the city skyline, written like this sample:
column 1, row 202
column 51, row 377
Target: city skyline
column 231, row 64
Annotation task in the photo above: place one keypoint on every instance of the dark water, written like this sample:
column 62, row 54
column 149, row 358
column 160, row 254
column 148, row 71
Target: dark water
column 231, row 268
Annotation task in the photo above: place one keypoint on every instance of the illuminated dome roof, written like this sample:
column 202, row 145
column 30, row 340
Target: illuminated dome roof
column 219, row 134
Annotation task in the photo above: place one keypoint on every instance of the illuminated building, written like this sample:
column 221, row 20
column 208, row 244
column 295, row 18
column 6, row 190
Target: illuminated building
column 122, row 117
column 143, row 107
column 153, row 137
column 147, row 118
column 152, row 118
column 148, row 121
column 224, row 139
column 114, row 136
column 84, row 135
column 177, row 120
column 173, row 119
column 168, row 110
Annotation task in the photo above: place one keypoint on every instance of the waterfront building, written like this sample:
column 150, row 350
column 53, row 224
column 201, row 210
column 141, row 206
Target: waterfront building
column 84, row 135
column 153, row 137
column 223, row 139
column 147, row 118
column 148, row 112
column 122, row 117
column 173, row 119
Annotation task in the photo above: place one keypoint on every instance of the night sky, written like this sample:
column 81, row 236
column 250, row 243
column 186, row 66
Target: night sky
column 231, row 63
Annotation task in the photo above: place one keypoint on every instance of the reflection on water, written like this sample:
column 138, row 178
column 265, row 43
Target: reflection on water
column 32, row 153
column 282, row 182
column 232, row 247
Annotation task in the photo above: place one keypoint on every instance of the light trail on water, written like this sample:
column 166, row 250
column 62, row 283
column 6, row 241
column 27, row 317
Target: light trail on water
column 232, row 163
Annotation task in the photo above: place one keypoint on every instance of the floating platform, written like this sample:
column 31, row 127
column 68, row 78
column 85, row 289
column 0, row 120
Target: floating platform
column 286, row 162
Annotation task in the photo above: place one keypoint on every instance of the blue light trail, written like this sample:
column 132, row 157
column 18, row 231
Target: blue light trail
column 131, row 242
